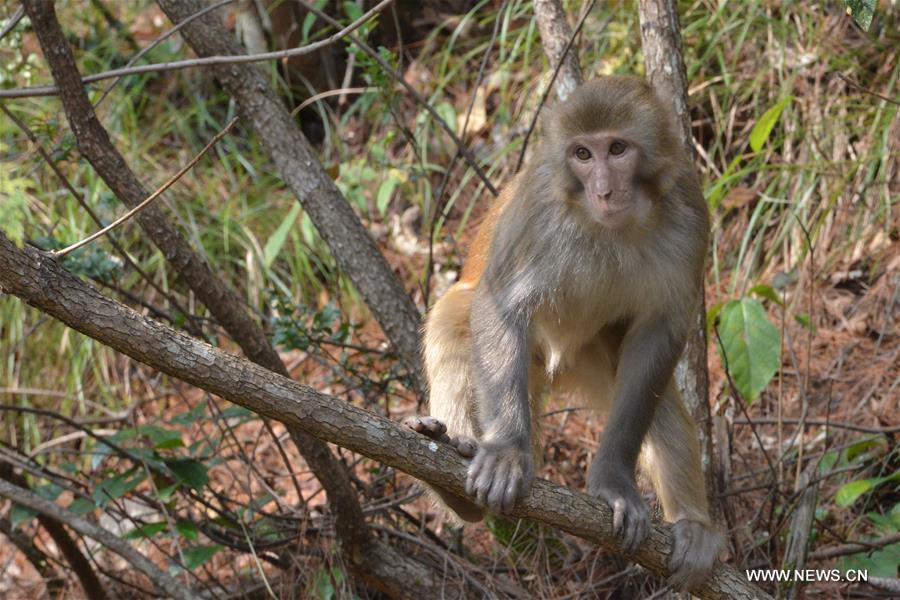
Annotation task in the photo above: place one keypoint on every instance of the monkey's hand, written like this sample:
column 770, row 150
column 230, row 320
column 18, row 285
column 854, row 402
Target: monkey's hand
column 696, row 547
column 500, row 472
column 631, row 517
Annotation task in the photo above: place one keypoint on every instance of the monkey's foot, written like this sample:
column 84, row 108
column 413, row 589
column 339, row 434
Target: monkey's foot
column 696, row 547
column 436, row 430
column 631, row 517
column 499, row 474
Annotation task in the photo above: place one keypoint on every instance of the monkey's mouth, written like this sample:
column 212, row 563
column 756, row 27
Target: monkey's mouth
column 609, row 214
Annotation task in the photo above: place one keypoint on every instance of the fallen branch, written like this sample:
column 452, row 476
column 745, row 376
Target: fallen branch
column 38, row 279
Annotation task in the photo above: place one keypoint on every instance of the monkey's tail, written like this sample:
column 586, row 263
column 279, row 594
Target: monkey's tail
column 448, row 340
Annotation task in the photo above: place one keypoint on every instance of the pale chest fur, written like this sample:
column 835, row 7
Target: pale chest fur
column 595, row 291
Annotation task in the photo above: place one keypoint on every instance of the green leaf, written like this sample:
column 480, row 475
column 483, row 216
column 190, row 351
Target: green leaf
column 767, row 292
column 750, row 346
column 277, row 239
column 323, row 583
column 82, row 506
column 48, row 491
column 858, row 451
column 862, row 12
column 160, row 437
column 117, row 486
column 190, row 472
column 188, row 530
column 881, row 563
column 237, row 412
column 165, row 493
column 447, row 113
column 804, row 320
column 311, row 18
column 850, row 492
column 766, row 122
column 353, row 11
column 385, row 192
column 196, row 556
column 145, row 531
column 20, row 514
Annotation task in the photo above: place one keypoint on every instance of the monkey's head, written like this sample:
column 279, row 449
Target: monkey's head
column 615, row 144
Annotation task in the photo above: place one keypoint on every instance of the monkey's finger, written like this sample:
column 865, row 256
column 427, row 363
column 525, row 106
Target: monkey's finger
column 414, row 423
column 501, row 477
column 465, row 446
column 435, row 427
column 618, row 507
column 480, row 475
column 639, row 528
column 513, row 491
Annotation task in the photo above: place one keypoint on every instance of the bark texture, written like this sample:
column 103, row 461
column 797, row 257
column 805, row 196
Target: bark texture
column 664, row 63
column 555, row 35
column 350, row 244
column 39, row 280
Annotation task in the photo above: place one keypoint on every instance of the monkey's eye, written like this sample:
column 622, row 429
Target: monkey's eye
column 617, row 147
column 582, row 153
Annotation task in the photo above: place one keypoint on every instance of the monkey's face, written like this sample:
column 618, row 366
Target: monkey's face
column 606, row 165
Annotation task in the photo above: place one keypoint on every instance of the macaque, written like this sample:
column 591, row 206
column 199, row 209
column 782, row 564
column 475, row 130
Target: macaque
column 584, row 278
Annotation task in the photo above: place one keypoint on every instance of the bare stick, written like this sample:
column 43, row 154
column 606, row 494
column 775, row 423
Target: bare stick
column 144, row 203
column 51, row 90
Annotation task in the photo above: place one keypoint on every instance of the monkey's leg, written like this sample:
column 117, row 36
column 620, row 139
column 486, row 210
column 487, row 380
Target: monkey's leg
column 672, row 460
column 448, row 342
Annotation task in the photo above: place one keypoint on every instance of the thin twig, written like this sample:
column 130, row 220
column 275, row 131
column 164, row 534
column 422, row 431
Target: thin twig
column 160, row 39
column 52, row 90
column 437, row 211
column 327, row 94
column 146, row 202
column 818, row 423
column 12, row 22
column 854, row 547
column 855, row 85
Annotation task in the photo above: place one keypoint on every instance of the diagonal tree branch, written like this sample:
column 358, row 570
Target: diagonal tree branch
column 39, row 280
column 350, row 244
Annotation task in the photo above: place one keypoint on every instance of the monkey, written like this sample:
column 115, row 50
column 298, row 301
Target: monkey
column 584, row 278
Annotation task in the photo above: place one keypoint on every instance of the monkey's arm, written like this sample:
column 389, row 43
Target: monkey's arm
column 647, row 358
column 502, row 468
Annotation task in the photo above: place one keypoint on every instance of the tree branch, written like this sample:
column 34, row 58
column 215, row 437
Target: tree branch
column 159, row 577
column 350, row 244
column 556, row 38
column 39, row 280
